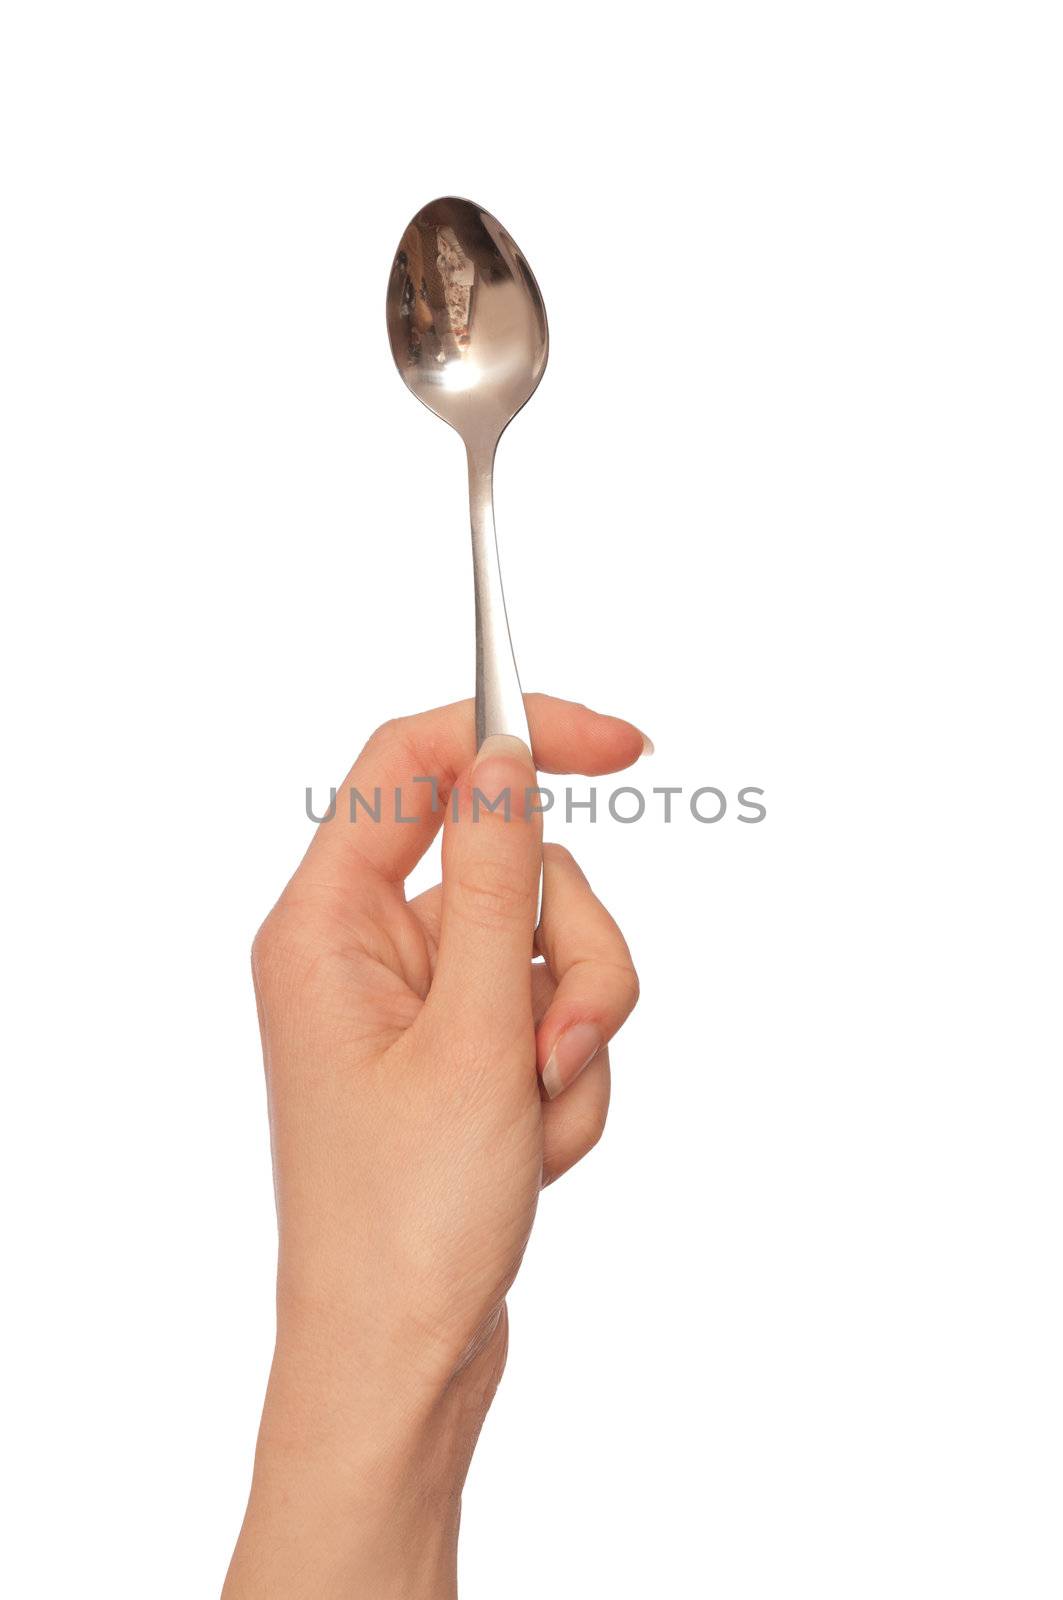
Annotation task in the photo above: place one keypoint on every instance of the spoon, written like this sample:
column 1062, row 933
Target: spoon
column 468, row 333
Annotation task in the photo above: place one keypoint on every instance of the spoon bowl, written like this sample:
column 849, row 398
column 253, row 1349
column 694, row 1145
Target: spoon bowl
column 465, row 318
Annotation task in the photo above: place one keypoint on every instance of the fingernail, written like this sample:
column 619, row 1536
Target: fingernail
column 647, row 744
column 576, row 1049
column 502, row 744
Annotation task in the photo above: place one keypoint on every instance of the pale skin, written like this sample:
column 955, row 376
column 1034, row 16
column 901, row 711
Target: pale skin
column 425, row 1081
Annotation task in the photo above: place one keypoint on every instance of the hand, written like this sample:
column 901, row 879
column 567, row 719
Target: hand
column 425, row 1080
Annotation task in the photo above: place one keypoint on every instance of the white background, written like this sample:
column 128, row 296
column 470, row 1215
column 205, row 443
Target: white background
column 789, row 499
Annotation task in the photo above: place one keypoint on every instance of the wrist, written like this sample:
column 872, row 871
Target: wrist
column 362, row 1466
column 318, row 1527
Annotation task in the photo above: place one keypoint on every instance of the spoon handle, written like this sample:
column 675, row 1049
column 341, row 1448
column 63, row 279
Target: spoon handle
column 499, row 701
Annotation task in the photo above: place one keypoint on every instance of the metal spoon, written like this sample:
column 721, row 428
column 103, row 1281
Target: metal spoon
column 468, row 333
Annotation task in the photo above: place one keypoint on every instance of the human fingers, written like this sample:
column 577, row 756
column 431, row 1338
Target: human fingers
column 396, row 794
column 597, row 985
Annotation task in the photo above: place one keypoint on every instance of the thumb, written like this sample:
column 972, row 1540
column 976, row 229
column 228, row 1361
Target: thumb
column 492, row 859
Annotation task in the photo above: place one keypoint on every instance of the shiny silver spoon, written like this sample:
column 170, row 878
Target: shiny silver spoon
column 468, row 333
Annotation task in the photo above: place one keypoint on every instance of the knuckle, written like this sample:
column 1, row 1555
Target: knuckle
column 387, row 734
column 586, row 1133
column 488, row 891
column 263, row 952
column 558, row 855
column 593, row 1130
column 620, row 980
column 276, row 946
column 581, row 1134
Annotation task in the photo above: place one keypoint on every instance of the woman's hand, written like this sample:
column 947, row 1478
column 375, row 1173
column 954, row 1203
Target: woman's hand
column 425, row 1080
